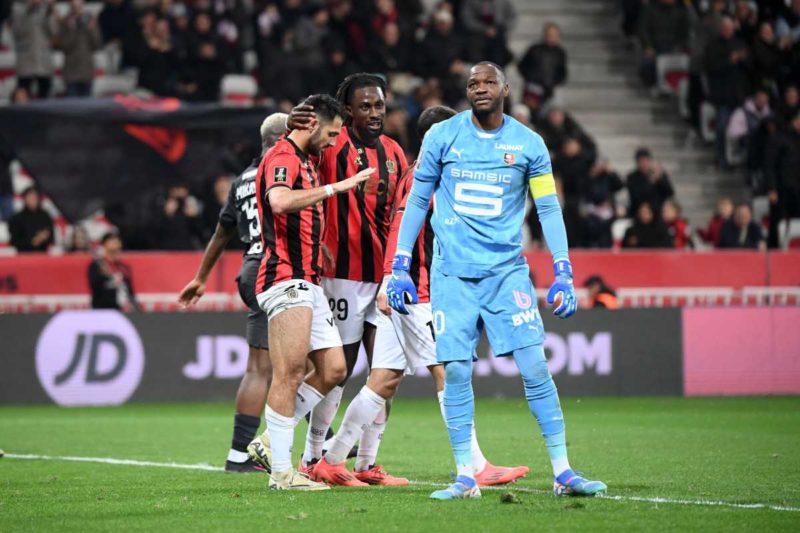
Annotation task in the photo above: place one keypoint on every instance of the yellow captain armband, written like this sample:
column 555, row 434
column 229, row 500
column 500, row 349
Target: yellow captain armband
column 543, row 185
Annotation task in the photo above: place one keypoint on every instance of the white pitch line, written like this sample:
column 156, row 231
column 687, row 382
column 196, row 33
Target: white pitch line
column 210, row 468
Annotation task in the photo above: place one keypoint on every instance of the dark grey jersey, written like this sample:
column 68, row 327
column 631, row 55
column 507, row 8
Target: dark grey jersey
column 241, row 210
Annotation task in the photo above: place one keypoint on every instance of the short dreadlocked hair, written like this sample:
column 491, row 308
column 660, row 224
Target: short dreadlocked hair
column 356, row 81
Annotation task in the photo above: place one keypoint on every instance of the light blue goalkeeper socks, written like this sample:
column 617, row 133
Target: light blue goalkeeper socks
column 542, row 396
column 459, row 408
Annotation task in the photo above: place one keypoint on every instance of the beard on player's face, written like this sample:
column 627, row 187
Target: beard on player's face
column 367, row 113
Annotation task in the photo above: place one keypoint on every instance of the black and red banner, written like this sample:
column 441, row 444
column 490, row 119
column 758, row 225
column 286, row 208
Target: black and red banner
column 91, row 153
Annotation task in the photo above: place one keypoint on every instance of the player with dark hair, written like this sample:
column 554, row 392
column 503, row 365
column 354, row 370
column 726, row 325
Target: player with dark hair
column 358, row 225
column 402, row 345
column 481, row 162
column 240, row 212
column 289, row 194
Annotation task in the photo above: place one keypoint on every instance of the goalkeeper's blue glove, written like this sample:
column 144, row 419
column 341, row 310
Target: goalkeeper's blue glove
column 400, row 289
column 563, row 285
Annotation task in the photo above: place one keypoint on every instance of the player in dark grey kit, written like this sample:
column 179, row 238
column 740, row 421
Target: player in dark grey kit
column 241, row 212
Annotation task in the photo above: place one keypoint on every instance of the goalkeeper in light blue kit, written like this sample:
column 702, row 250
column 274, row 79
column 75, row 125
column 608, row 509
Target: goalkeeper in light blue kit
column 480, row 164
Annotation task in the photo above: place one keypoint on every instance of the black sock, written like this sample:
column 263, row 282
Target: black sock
column 329, row 434
column 244, row 430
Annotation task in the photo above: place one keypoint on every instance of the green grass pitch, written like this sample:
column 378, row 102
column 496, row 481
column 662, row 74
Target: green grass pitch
column 698, row 455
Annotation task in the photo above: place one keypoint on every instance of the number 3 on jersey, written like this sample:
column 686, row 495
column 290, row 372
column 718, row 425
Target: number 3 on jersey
column 250, row 210
column 481, row 206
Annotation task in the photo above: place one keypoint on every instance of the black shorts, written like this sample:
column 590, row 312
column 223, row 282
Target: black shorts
column 256, row 318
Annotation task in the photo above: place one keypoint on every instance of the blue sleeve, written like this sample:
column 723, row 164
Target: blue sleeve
column 414, row 216
column 539, row 160
column 552, row 221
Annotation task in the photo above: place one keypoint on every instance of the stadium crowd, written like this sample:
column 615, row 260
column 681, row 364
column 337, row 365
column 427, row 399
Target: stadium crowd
column 744, row 59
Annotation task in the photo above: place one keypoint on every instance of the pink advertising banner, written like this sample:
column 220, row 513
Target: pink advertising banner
column 741, row 351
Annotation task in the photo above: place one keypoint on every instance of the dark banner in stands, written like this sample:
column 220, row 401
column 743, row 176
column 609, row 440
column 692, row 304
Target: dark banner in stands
column 107, row 358
column 89, row 153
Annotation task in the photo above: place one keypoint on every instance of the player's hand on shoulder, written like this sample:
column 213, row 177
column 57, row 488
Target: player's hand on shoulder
column 301, row 117
column 190, row 294
column 562, row 292
column 353, row 181
column 401, row 290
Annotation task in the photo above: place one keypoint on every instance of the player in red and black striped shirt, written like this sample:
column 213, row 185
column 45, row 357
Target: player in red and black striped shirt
column 404, row 343
column 358, row 228
column 290, row 195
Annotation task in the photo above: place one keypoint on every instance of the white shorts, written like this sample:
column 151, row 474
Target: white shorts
column 405, row 342
column 300, row 293
column 352, row 303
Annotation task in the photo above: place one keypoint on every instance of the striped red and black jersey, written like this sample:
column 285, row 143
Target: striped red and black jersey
column 358, row 221
column 291, row 241
column 422, row 255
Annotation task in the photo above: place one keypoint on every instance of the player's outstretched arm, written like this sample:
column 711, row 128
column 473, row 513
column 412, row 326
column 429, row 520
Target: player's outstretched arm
column 543, row 190
column 284, row 200
column 195, row 289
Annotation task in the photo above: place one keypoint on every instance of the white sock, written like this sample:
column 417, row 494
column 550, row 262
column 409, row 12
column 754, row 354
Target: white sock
column 371, row 441
column 307, row 398
column 281, row 437
column 560, row 465
column 235, row 456
column 360, row 414
column 321, row 419
column 478, row 460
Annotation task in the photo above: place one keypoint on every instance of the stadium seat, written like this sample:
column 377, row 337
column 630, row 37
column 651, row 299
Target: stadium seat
column 618, row 229
column 5, row 236
column 238, row 90
column 789, row 233
column 112, row 84
column 670, row 70
column 708, row 117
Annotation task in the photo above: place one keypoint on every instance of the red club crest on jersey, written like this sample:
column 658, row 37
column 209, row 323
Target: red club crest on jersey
column 508, row 158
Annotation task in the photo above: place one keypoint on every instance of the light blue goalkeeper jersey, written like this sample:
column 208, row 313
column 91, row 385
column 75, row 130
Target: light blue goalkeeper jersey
column 481, row 179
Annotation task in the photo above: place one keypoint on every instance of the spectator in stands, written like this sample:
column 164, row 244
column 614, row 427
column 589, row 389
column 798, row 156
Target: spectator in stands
column 441, row 56
column 488, row 23
column 6, row 186
column 20, row 95
column 648, row 183
column 545, row 63
column 33, row 26
column 741, row 232
column 726, row 70
column 789, row 105
column 745, row 124
column 677, row 226
column 78, row 37
column 558, row 126
column 631, row 12
column 746, row 16
column 110, row 279
column 200, row 77
column 572, row 165
column 647, row 231
column 598, row 204
column 179, row 226
column 601, row 296
column 308, row 35
column 391, row 53
column 663, row 29
column 338, row 66
column 723, row 214
column 522, row 113
column 767, row 57
column 80, row 241
column 117, row 19
column 158, row 69
column 782, row 172
column 787, row 27
column 32, row 228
